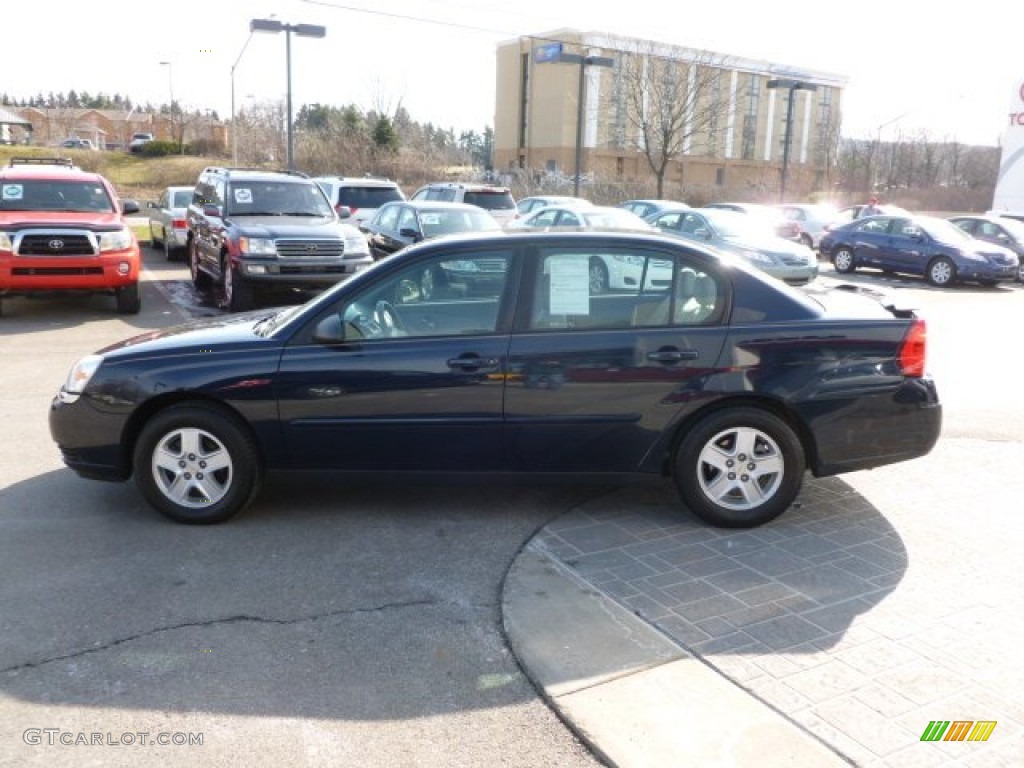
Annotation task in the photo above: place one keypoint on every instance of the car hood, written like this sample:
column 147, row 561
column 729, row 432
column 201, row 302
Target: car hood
column 100, row 222
column 289, row 226
column 207, row 336
column 774, row 246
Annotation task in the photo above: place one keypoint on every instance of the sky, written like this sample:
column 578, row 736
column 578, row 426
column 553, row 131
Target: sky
column 911, row 68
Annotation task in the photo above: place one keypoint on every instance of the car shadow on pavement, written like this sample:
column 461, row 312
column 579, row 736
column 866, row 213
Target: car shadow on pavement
column 794, row 586
column 340, row 602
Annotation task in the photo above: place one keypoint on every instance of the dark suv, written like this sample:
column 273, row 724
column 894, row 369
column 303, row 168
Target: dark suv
column 253, row 229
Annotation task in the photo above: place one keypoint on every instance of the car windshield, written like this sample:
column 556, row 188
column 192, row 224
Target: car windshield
column 446, row 222
column 740, row 225
column 51, row 195
column 943, row 231
column 276, row 198
column 613, row 217
column 491, row 199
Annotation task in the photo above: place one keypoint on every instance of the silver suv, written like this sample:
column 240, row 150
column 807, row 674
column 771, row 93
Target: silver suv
column 357, row 199
column 497, row 201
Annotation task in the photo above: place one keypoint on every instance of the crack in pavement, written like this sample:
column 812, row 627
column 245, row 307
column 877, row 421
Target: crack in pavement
column 239, row 619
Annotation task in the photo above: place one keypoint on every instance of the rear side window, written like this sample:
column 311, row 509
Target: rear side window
column 367, row 197
column 491, row 199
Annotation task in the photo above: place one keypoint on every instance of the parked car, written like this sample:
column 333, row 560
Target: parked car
column 62, row 230
column 918, row 245
column 608, row 272
column 74, row 143
column 357, row 197
column 647, row 208
column 250, row 231
column 168, row 227
column 812, row 218
column 498, row 201
column 851, row 212
column 999, row 230
column 783, row 225
column 138, row 141
column 728, row 382
column 528, row 205
column 397, row 225
column 748, row 237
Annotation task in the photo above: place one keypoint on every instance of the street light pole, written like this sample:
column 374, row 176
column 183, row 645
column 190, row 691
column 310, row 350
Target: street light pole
column 170, row 109
column 234, row 131
column 302, row 30
column 553, row 53
column 791, row 86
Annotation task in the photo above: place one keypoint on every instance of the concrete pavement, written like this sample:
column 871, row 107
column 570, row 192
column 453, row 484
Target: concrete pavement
column 880, row 602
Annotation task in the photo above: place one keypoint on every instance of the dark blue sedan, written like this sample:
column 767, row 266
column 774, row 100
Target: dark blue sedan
column 917, row 245
column 720, row 377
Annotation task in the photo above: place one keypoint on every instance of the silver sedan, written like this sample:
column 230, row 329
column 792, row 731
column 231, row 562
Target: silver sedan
column 167, row 228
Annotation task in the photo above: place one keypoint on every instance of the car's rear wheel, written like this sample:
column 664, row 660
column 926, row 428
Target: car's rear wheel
column 843, row 261
column 739, row 467
column 154, row 241
column 197, row 463
column 128, row 300
column 168, row 251
column 941, row 272
column 1020, row 270
column 598, row 277
column 200, row 279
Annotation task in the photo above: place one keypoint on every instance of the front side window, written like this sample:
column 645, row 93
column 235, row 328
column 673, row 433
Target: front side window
column 388, row 219
column 441, row 296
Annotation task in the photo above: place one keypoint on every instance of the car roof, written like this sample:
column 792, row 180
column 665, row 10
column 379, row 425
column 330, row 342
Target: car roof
column 436, row 205
column 476, row 186
column 52, row 172
column 356, row 181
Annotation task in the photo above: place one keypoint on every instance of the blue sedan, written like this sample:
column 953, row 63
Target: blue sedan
column 918, row 245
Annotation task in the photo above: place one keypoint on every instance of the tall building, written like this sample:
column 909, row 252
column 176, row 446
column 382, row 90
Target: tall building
column 712, row 123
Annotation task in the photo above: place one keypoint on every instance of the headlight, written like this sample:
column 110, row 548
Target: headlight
column 79, row 376
column 5, row 242
column 972, row 256
column 257, row 246
column 115, row 241
column 356, row 243
column 757, row 257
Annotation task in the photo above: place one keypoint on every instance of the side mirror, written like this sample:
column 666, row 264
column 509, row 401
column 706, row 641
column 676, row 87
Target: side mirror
column 344, row 212
column 212, row 210
column 703, row 232
column 129, row 206
column 329, row 330
column 151, row 204
column 411, row 233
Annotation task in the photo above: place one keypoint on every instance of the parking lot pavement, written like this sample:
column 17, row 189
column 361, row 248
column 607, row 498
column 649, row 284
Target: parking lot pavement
column 879, row 603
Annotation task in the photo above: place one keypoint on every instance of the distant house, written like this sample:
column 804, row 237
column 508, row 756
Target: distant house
column 113, row 128
column 14, row 129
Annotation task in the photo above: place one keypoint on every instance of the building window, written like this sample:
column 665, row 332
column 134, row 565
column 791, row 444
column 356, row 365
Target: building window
column 749, row 131
column 720, row 177
column 716, row 112
column 524, row 91
column 620, row 167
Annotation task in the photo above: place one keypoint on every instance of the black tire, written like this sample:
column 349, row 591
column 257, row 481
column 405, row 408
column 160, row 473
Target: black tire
column 238, row 295
column 941, row 272
column 200, row 279
column 843, row 260
column 197, row 435
column 807, row 240
column 128, row 300
column 168, row 251
column 1020, row 270
column 153, row 240
column 765, row 453
column 598, row 277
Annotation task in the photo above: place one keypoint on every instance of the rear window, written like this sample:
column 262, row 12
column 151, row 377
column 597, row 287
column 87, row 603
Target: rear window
column 367, row 197
column 491, row 199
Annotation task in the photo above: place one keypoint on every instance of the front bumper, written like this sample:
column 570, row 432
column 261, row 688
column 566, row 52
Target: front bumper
column 27, row 274
column 89, row 439
column 277, row 272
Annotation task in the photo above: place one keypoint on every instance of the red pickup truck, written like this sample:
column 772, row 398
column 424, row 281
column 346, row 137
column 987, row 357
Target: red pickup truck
column 62, row 229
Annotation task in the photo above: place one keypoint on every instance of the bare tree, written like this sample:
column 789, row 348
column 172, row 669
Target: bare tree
column 673, row 100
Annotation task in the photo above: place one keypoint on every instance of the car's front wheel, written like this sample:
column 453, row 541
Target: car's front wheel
column 237, row 293
column 739, row 467
column 200, row 279
column 128, row 300
column 197, row 463
column 843, row 261
column 941, row 272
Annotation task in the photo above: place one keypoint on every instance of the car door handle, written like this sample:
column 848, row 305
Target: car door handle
column 672, row 355
column 473, row 363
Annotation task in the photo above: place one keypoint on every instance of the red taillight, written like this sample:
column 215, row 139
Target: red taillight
column 179, row 224
column 912, row 351
column 351, row 209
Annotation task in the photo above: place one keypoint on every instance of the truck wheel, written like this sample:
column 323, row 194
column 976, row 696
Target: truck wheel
column 739, row 467
column 200, row 279
column 237, row 292
column 128, row 300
